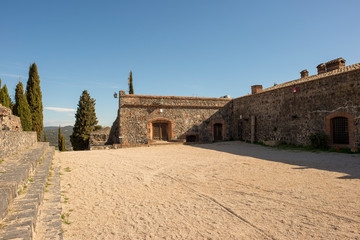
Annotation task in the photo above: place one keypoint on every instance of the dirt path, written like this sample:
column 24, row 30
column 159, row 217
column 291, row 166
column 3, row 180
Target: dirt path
column 228, row 190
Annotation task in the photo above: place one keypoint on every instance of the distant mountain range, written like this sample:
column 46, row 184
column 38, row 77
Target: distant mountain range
column 52, row 135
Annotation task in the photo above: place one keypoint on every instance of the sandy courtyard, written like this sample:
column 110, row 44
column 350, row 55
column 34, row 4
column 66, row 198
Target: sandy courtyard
column 228, row 190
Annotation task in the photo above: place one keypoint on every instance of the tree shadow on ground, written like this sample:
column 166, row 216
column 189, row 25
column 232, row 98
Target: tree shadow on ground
column 348, row 164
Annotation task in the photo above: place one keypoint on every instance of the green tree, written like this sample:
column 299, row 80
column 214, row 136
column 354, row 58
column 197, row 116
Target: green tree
column 130, row 80
column 61, row 141
column 0, row 93
column 5, row 98
column 34, row 98
column 85, row 122
column 21, row 108
column 45, row 137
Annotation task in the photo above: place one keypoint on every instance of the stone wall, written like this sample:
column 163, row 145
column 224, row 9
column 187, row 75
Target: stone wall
column 8, row 121
column 292, row 111
column 13, row 141
column 12, row 138
column 99, row 137
column 184, row 116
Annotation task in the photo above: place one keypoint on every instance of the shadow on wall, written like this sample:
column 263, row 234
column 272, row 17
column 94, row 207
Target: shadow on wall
column 214, row 128
column 334, row 162
column 113, row 135
column 204, row 132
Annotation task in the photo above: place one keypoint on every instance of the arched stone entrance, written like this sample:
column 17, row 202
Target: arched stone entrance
column 339, row 127
column 160, row 129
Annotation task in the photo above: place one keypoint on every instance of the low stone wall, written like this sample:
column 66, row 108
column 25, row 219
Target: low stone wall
column 13, row 141
column 99, row 137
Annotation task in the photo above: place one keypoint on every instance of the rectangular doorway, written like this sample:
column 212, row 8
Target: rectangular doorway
column 160, row 131
column 218, row 134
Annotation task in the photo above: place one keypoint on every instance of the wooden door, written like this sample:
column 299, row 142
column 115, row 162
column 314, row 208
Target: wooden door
column 218, row 132
column 156, row 131
column 160, row 131
column 164, row 135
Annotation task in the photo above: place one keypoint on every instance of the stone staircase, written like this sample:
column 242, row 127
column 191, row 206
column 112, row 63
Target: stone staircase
column 24, row 180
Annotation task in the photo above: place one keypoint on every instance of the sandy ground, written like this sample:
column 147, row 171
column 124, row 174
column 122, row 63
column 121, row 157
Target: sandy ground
column 228, row 190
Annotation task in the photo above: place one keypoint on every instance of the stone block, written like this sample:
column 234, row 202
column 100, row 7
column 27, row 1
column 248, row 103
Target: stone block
column 8, row 121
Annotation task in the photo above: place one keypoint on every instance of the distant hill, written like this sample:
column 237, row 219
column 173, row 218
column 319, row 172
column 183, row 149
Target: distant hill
column 52, row 135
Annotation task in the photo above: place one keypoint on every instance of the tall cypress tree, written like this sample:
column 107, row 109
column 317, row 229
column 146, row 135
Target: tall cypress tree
column 5, row 98
column 34, row 98
column 21, row 108
column 45, row 137
column 85, row 121
column 61, row 141
column 130, row 80
column 0, row 93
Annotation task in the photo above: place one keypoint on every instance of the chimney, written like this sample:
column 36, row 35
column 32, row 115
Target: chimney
column 304, row 73
column 256, row 89
column 335, row 64
column 321, row 68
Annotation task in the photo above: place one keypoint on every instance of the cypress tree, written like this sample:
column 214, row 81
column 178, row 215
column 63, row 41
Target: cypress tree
column 5, row 98
column 61, row 141
column 12, row 105
column 63, row 147
column 21, row 108
column 0, row 93
column 34, row 98
column 85, row 122
column 130, row 80
column 45, row 137
column 59, row 138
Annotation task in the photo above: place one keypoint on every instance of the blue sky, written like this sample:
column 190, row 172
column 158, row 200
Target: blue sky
column 182, row 48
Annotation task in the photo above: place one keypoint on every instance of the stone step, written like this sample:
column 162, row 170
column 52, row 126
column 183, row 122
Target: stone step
column 21, row 220
column 15, row 172
column 49, row 219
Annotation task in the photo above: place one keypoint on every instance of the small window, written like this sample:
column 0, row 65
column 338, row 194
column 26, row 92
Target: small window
column 340, row 130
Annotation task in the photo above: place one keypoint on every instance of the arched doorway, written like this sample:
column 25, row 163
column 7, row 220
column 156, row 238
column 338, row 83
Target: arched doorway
column 218, row 131
column 340, row 130
column 160, row 129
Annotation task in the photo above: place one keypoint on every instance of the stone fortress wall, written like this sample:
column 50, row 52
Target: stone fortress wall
column 180, row 116
column 293, row 111
column 290, row 112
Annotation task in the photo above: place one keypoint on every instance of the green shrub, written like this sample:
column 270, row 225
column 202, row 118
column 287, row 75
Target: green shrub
column 98, row 127
column 319, row 140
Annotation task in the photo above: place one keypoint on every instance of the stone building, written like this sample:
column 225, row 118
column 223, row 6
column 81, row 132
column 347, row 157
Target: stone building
column 328, row 102
column 145, row 119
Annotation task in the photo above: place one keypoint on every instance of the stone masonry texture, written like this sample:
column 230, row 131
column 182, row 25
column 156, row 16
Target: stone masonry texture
column 184, row 116
column 8, row 121
column 290, row 112
column 13, row 141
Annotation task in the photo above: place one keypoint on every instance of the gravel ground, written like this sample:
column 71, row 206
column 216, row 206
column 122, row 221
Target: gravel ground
column 227, row 190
